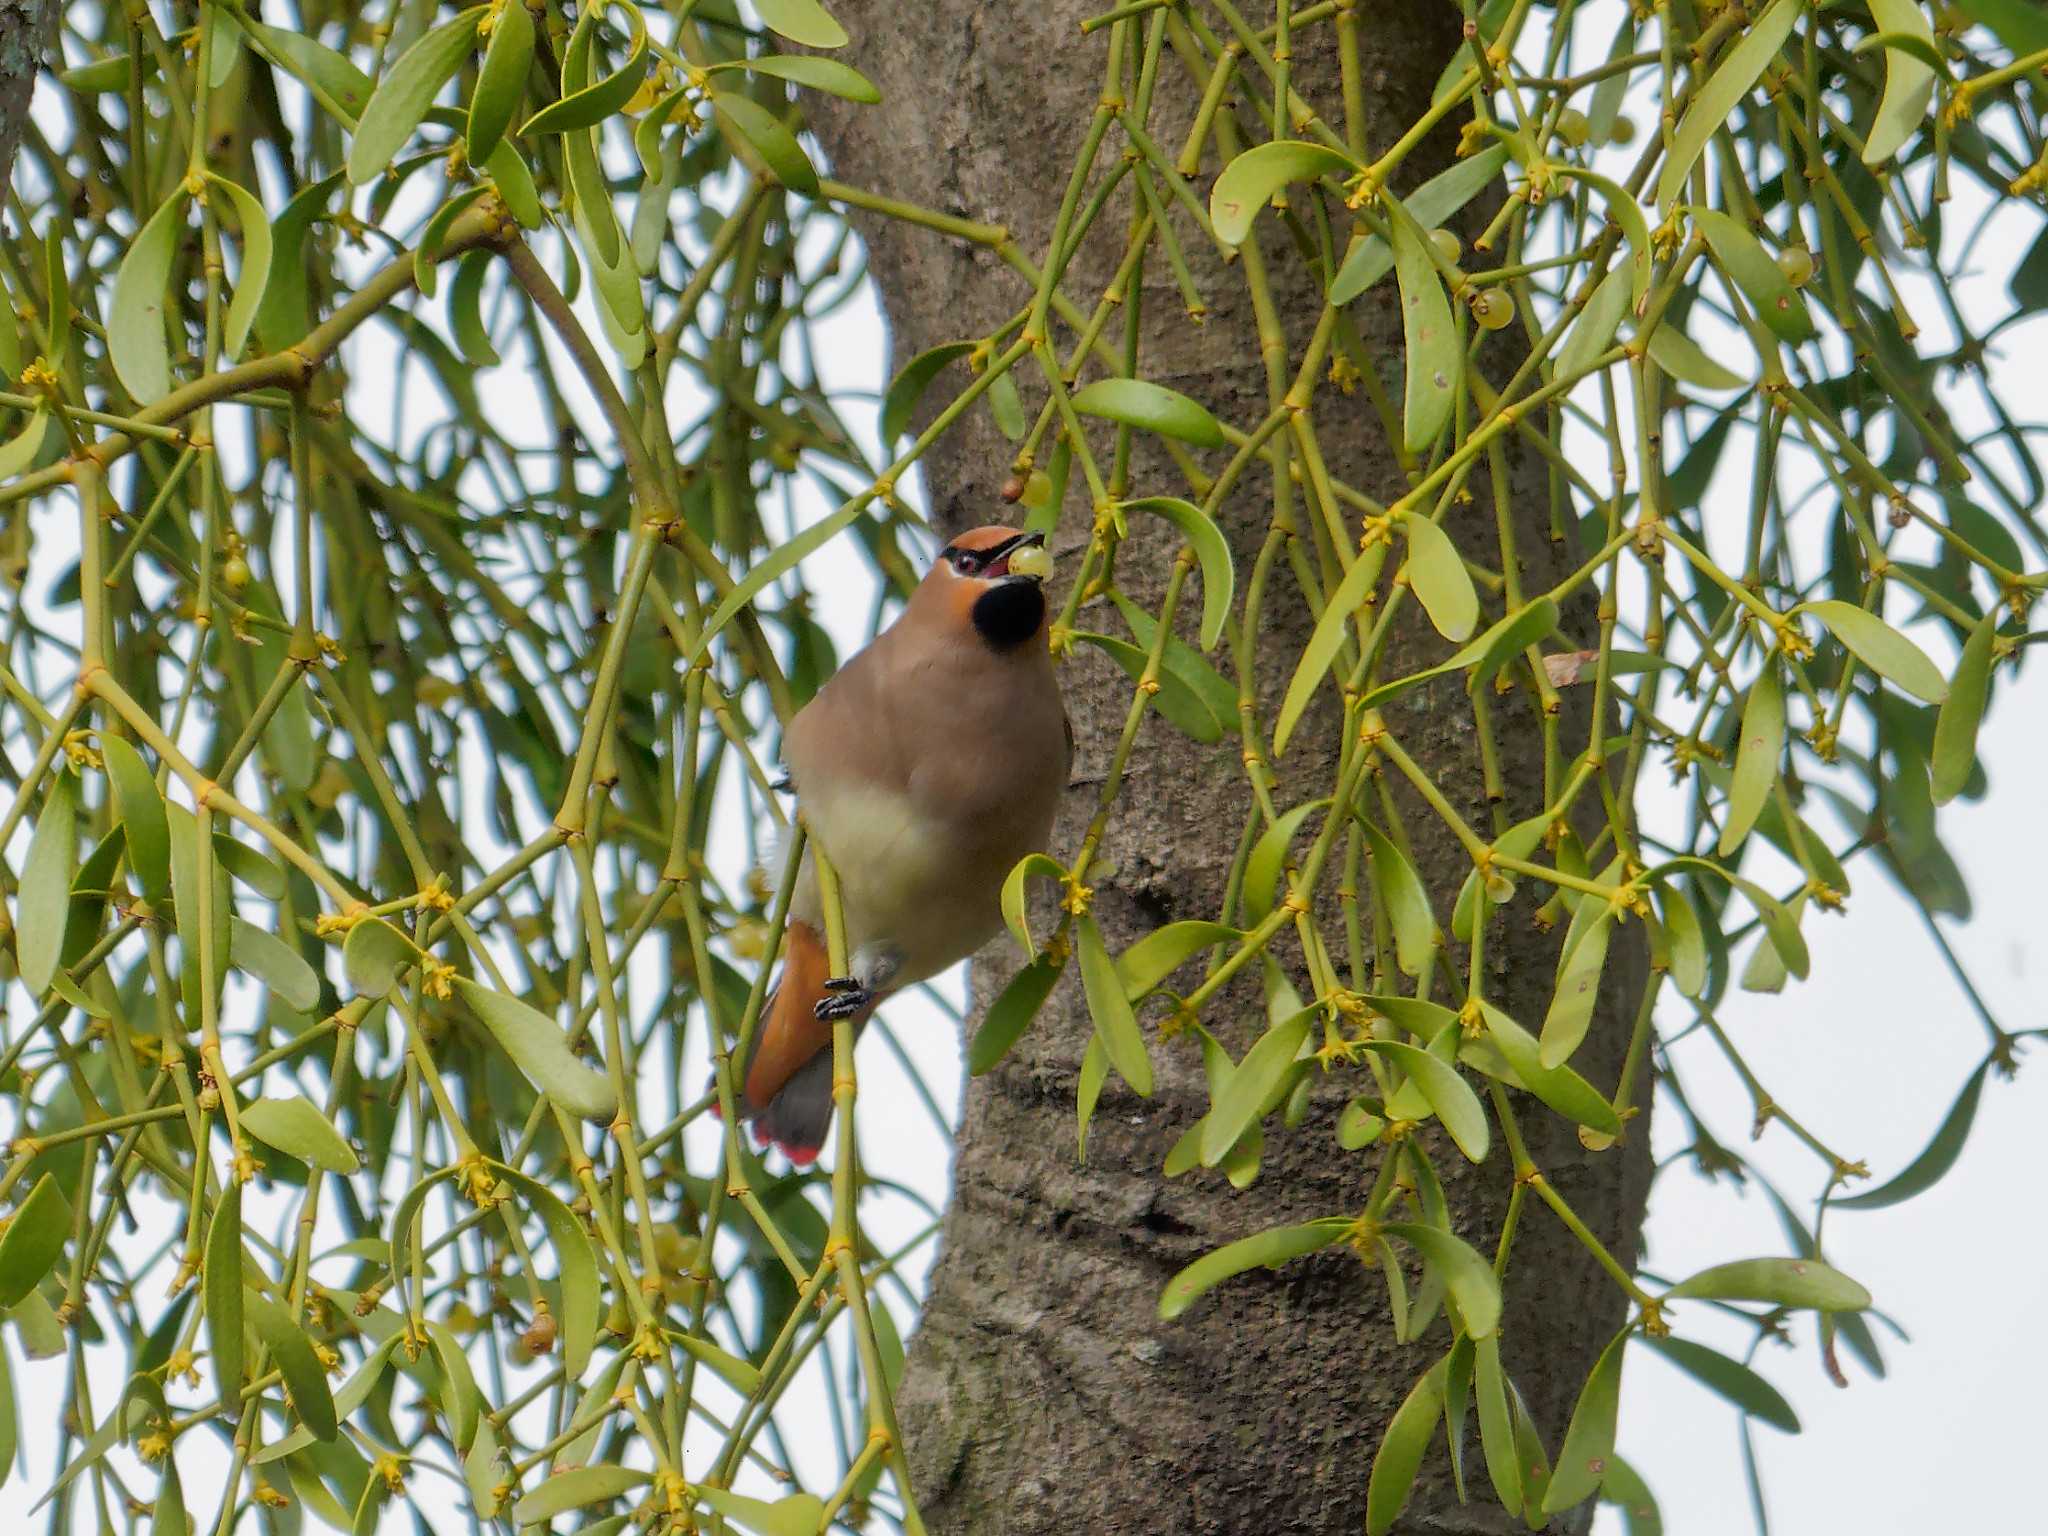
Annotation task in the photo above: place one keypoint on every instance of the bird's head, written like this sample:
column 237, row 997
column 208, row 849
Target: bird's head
column 991, row 580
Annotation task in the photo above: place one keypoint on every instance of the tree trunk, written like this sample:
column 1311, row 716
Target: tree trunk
column 26, row 27
column 1043, row 1392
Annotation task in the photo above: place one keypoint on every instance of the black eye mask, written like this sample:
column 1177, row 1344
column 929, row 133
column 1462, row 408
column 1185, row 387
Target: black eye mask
column 975, row 561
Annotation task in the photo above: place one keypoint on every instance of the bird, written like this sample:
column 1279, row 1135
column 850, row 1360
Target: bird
column 925, row 768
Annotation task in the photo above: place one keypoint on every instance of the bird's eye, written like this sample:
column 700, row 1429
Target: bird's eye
column 964, row 562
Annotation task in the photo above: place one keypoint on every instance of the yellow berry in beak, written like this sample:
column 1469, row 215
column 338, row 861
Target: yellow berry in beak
column 1033, row 560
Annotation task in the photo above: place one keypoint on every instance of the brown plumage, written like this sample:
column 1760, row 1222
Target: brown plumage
column 926, row 768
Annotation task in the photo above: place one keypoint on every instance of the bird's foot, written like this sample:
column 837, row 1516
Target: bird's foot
column 845, row 997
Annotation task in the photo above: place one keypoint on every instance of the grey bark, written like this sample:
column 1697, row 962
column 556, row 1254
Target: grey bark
column 26, row 30
column 1043, row 1393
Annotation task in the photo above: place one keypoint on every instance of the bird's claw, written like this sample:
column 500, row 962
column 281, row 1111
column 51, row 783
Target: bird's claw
column 845, row 997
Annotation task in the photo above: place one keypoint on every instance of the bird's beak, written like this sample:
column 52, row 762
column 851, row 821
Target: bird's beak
column 1029, row 558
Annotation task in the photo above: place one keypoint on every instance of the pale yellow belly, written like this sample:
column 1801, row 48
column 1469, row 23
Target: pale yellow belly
column 903, row 881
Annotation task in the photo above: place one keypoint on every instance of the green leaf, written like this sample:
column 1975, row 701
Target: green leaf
column 1730, row 1379
column 128, row 1415
column 739, row 1375
column 1270, row 1249
column 461, row 1403
column 1589, row 1439
column 775, row 144
column 292, row 1352
column 1578, row 988
column 1456, row 1105
column 1434, row 360
column 255, row 870
column 908, row 387
column 1163, row 951
column 1624, row 1487
column 1401, row 1450
column 1251, row 181
column 1623, row 210
column 1935, row 1159
column 785, row 557
column 1561, row 1088
column 1186, row 663
column 303, row 56
column 221, row 1286
column 1185, row 709
column 254, row 277
column 797, row 1514
column 483, row 1471
column 136, row 339
column 828, row 75
column 1496, row 1425
column 1955, row 727
column 538, row 1048
column 1400, row 893
column 1908, row 82
column 1485, row 654
column 406, row 90
column 283, row 316
column 1683, row 358
column 1094, row 1073
column 575, row 1488
column 1268, row 860
column 116, row 72
column 1114, row 1022
column 1255, row 1086
column 1714, row 104
column 1781, row 1282
column 1781, row 925
column 1593, row 332
column 801, row 21
column 1211, row 551
column 20, row 451
column 576, row 1258
column 1039, row 865
column 1470, row 1278
column 43, row 906
column 1688, row 942
column 2020, row 24
column 1881, row 648
column 1006, row 407
column 1431, row 203
column 33, row 1239
column 1752, row 269
column 465, row 310
column 426, row 256
column 353, row 1394
column 276, row 964
column 1412, row 1013
column 1333, row 627
column 501, row 82
column 592, row 104
column 1437, row 573
column 1155, row 408
column 140, row 810
column 373, row 955
column 514, row 182
column 1756, row 758
column 1010, row 1015
column 298, row 1129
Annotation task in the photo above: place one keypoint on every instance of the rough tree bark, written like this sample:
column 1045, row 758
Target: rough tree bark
column 1044, row 1394
column 26, row 27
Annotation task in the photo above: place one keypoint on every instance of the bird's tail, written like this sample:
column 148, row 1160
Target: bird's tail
column 787, row 1087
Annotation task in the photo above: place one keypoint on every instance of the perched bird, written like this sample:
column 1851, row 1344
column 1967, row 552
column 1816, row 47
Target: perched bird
column 926, row 768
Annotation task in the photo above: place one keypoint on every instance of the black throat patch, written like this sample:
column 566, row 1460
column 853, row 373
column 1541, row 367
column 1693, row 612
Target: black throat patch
column 1009, row 613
